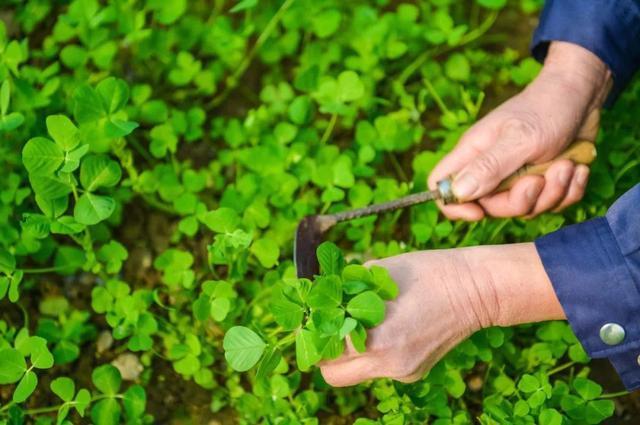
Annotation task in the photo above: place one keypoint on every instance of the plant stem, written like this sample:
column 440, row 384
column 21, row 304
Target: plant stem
column 42, row 270
column 614, row 395
column 234, row 79
column 560, row 368
column 468, row 38
column 329, row 129
column 436, row 97
column 157, row 204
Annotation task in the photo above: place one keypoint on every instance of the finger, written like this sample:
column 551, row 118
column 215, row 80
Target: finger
column 347, row 373
column 478, row 178
column 462, row 154
column 556, row 185
column 516, row 202
column 576, row 188
column 469, row 211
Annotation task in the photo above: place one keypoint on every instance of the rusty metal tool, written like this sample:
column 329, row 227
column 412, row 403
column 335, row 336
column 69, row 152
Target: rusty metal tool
column 310, row 230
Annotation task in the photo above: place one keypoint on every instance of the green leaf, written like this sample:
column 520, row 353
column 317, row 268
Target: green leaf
column 92, row 209
column 328, row 321
column 359, row 338
column 83, row 399
column 222, row 220
column 457, row 67
column 348, row 326
column 598, row 410
column 64, row 388
column 330, row 258
column 269, row 363
column 287, row 314
column 63, row 132
column 26, row 387
column 326, row 22
column 99, row 171
column 306, row 352
column 325, row 293
column 41, row 357
column 41, row 156
column 114, row 94
column 368, row 308
column 586, row 388
column 12, row 366
column 88, row 105
column 350, row 86
column 267, row 251
column 492, row 4
column 106, row 412
column 135, row 402
column 243, row 348
column 107, row 379
column 220, row 308
column 357, row 272
column 528, row 383
column 7, row 261
column 243, row 5
column 386, row 286
column 550, row 417
column 49, row 187
column 5, row 96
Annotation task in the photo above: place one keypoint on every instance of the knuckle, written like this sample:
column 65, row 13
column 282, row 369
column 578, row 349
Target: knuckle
column 525, row 134
column 488, row 164
column 401, row 367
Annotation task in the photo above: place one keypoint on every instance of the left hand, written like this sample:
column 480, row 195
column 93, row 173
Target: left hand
column 445, row 296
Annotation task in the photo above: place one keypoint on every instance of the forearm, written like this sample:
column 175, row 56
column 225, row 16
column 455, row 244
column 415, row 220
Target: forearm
column 512, row 280
column 581, row 72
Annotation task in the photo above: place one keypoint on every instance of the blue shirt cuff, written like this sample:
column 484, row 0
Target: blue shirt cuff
column 594, row 268
column 608, row 28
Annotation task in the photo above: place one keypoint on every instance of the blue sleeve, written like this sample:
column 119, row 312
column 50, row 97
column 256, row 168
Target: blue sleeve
column 595, row 270
column 608, row 28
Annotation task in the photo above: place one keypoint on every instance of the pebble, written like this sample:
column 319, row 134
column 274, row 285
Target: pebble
column 129, row 366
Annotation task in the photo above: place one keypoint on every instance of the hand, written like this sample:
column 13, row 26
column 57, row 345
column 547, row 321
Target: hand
column 445, row 296
column 560, row 106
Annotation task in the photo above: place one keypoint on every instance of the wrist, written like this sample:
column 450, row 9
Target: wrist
column 512, row 284
column 578, row 70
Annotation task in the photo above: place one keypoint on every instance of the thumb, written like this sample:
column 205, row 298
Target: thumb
column 487, row 170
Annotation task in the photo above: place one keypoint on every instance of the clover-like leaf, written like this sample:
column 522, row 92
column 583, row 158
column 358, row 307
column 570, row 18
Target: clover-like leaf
column 242, row 348
column 99, row 171
column 64, row 388
column 41, row 156
column 12, row 366
column 267, row 251
column 368, row 308
column 26, row 387
column 63, row 131
column 306, row 352
column 92, row 209
column 325, row 293
column 107, row 379
column 330, row 258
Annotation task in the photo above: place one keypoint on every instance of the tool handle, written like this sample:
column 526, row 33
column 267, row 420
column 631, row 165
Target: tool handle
column 580, row 152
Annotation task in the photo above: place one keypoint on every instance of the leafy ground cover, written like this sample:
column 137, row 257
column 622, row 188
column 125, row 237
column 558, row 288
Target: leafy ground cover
column 156, row 157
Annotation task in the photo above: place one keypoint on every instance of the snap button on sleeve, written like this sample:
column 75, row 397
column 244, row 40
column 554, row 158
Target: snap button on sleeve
column 612, row 333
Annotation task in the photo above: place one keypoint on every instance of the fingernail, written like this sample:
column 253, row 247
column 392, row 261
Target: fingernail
column 582, row 176
column 464, row 186
column 532, row 193
column 564, row 177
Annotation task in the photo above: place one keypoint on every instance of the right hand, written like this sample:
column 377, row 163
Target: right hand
column 560, row 106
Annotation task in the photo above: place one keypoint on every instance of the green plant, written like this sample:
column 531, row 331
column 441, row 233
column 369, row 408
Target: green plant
column 156, row 157
column 343, row 301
